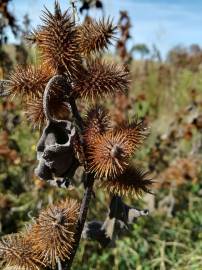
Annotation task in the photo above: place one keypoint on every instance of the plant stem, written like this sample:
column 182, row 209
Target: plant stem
column 82, row 218
column 76, row 114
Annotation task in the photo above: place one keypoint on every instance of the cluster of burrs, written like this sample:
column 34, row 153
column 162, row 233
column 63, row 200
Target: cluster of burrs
column 47, row 242
column 71, row 72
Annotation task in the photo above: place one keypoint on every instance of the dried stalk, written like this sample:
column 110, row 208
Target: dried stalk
column 82, row 218
column 89, row 182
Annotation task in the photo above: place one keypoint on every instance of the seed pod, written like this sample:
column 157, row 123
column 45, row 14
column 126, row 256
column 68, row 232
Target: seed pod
column 17, row 252
column 52, row 236
column 132, row 182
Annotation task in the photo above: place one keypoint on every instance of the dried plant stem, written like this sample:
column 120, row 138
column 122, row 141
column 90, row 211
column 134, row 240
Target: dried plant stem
column 46, row 98
column 75, row 112
column 82, row 218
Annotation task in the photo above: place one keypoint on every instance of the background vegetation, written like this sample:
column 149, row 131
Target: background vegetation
column 166, row 94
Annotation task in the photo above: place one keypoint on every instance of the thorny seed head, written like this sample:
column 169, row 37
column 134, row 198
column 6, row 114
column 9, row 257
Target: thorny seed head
column 29, row 81
column 56, row 39
column 132, row 182
column 101, row 79
column 95, row 36
column 96, row 122
column 53, row 234
column 109, row 153
column 16, row 251
column 136, row 130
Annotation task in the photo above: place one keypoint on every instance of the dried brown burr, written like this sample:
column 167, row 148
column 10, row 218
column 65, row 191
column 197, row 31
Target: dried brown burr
column 52, row 236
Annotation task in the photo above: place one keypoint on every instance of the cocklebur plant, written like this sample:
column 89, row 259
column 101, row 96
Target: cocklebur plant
column 72, row 71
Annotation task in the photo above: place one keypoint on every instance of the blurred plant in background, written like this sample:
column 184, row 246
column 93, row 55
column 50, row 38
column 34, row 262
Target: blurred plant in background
column 11, row 54
column 88, row 4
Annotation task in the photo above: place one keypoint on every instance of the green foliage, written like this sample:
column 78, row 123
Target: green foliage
column 155, row 242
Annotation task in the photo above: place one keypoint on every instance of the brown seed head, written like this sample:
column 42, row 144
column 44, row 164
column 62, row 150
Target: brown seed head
column 56, row 39
column 101, row 79
column 136, row 131
column 96, row 122
column 95, row 36
column 132, row 182
column 53, row 234
column 29, row 81
column 109, row 153
column 16, row 251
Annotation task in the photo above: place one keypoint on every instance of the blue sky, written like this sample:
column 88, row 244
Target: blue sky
column 166, row 23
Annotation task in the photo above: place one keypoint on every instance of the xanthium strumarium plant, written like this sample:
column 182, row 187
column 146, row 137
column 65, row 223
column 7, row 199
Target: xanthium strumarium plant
column 72, row 71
